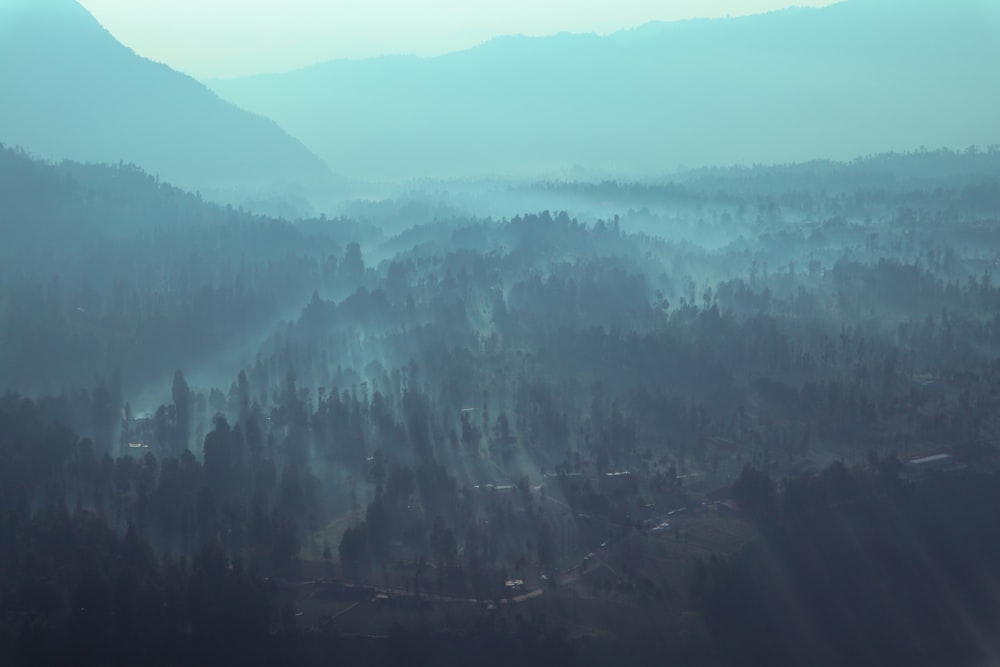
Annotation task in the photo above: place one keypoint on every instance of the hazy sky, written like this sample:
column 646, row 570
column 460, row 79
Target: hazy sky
column 221, row 38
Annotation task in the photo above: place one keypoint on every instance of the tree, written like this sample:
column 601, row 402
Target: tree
column 755, row 492
column 352, row 268
column 218, row 453
column 353, row 551
column 443, row 545
column 181, row 394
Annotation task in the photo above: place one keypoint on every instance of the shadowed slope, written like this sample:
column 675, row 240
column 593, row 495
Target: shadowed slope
column 72, row 91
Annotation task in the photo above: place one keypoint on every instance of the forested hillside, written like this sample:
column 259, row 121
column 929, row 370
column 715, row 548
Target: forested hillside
column 542, row 438
column 113, row 269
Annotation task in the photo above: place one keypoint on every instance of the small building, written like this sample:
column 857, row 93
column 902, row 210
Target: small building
column 491, row 489
column 514, row 585
column 916, row 469
column 562, row 475
column 660, row 527
column 622, row 480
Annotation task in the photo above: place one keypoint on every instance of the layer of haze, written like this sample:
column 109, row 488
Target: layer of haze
column 226, row 38
column 833, row 82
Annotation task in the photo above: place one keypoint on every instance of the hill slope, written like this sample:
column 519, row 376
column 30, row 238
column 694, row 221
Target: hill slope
column 72, row 91
column 860, row 77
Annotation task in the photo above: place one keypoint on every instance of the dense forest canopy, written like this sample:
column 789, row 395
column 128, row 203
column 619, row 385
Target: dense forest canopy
column 535, row 419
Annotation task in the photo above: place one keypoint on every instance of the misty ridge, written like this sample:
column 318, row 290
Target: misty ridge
column 677, row 345
column 854, row 78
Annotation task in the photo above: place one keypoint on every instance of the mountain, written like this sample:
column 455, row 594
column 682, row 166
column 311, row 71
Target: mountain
column 70, row 90
column 854, row 78
column 106, row 267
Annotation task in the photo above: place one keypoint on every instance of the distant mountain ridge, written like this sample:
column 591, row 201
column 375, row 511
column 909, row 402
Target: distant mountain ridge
column 70, row 90
column 854, row 78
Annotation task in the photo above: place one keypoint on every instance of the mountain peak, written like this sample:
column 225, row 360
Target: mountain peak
column 73, row 91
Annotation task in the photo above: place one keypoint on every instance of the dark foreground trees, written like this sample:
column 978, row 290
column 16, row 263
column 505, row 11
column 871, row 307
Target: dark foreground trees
column 856, row 568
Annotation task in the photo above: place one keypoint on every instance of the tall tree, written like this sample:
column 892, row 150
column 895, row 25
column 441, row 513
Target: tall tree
column 181, row 394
